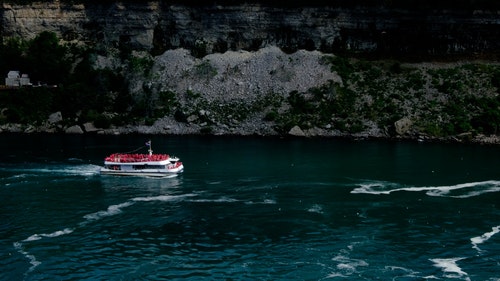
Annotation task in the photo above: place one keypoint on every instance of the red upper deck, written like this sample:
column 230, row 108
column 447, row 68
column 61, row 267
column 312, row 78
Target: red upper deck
column 133, row 158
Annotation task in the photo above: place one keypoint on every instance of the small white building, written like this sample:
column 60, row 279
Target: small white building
column 16, row 79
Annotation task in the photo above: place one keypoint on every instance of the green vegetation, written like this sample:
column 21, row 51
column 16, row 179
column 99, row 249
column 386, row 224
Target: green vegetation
column 30, row 104
column 199, row 49
column 143, row 64
column 205, row 70
column 440, row 101
column 76, row 89
column 43, row 58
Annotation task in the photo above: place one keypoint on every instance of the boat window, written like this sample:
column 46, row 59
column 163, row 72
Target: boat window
column 142, row 167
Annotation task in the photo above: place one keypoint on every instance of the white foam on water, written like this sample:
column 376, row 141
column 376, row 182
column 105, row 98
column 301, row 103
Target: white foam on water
column 405, row 272
column 486, row 187
column 450, row 268
column 162, row 177
column 269, row 201
column 316, row 208
column 117, row 209
column 35, row 237
column 469, row 189
column 377, row 187
column 58, row 169
column 163, row 198
column 58, row 233
column 32, row 259
column 111, row 211
column 18, row 176
column 484, row 237
column 218, row 200
column 335, row 275
column 77, row 170
column 263, row 202
column 19, row 246
column 348, row 265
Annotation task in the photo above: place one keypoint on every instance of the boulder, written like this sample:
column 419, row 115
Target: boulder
column 296, row 131
column 55, row 117
column 403, row 125
column 192, row 118
column 89, row 127
column 13, row 128
column 30, row 129
column 74, row 130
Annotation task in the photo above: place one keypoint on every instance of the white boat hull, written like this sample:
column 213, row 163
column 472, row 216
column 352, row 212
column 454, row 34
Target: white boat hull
column 143, row 172
column 147, row 165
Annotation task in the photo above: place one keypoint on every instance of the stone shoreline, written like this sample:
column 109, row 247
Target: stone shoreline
column 163, row 127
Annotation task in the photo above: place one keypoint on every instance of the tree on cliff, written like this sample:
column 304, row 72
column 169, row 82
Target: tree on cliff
column 47, row 59
column 11, row 56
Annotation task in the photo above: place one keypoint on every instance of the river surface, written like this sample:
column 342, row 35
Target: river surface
column 250, row 209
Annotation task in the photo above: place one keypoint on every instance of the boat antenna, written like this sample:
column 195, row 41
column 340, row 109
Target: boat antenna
column 150, row 150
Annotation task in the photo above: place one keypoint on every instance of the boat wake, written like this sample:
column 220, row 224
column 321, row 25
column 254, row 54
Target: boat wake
column 50, row 169
column 464, row 190
column 112, row 210
column 476, row 241
column 450, row 268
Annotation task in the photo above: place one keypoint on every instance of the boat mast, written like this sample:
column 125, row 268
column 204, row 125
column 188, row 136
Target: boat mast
column 150, row 150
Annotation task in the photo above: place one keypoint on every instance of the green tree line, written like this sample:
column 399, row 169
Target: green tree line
column 75, row 88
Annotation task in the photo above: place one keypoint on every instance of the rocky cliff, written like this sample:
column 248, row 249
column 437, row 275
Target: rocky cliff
column 158, row 26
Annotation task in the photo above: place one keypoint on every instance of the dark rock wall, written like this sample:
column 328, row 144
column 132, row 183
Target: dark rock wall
column 161, row 25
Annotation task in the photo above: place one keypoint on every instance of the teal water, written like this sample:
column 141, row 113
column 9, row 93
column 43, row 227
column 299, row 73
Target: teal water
column 250, row 209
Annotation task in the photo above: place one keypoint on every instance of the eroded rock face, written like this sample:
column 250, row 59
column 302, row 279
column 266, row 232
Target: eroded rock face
column 109, row 24
column 203, row 29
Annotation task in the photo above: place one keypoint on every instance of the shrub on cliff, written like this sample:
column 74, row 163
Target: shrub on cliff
column 11, row 55
column 47, row 59
column 42, row 58
column 28, row 105
column 81, row 87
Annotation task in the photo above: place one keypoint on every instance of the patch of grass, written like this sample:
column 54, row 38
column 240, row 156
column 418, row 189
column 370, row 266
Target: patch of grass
column 205, row 70
column 341, row 65
column 140, row 64
column 192, row 95
column 271, row 116
column 167, row 100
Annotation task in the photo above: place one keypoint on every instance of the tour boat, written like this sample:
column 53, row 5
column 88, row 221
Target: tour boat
column 149, row 165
